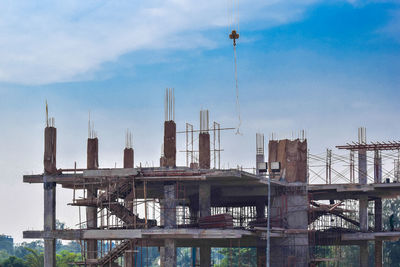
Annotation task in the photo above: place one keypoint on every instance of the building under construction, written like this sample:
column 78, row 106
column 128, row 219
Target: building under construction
column 273, row 210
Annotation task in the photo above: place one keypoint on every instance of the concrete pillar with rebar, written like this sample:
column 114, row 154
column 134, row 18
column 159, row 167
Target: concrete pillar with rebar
column 128, row 158
column 204, row 141
column 259, row 150
column 363, row 201
column 91, row 212
column 170, row 144
column 169, row 159
column 49, row 220
column 289, row 206
column 129, row 255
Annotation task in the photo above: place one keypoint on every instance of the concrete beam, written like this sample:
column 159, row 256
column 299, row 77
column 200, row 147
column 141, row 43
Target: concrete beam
column 239, row 191
column 107, row 173
column 143, row 233
column 394, row 236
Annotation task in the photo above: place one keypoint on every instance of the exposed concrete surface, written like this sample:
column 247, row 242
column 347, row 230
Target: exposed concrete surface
column 170, row 253
column 170, row 143
column 204, row 150
column 293, row 158
column 169, row 205
column 128, row 158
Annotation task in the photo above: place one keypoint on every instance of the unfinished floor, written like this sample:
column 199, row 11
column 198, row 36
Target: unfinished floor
column 169, row 207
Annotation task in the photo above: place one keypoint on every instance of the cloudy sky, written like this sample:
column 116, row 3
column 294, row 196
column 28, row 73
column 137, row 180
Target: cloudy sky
column 324, row 66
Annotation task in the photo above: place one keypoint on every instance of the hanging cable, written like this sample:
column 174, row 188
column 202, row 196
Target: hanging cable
column 234, row 36
column 237, row 93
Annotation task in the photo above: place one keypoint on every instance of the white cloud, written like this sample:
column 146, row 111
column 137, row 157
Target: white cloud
column 56, row 41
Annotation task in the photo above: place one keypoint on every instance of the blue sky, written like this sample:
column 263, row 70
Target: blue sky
column 324, row 66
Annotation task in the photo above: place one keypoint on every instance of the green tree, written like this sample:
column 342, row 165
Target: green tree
column 72, row 246
column 184, row 257
column 66, row 258
column 245, row 257
column 3, row 255
column 14, row 262
column 34, row 258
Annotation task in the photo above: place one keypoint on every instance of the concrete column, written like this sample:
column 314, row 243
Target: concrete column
column 128, row 163
column 261, row 256
column 362, row 166
column 205, row 210
column 363, row 210
column 362, row 179
column 193, row 210
column 169, row 204
column 363, row 213
column 378, row 210
column 204, row 199
column 169, row 144
column 363, row 205
column 194, row 214
column 259, row 159
column 260, row 209
column 49, row 222
column 49, row 219
column 364, row 254
column 292, row 247
column 129, row 257
column 378, row 253
column 128, row 158
column 162, row 249
column 205, row 255
column 170, row 253
column 261, row 250
column 259, row 151
column 204, row 150
column 91, row 212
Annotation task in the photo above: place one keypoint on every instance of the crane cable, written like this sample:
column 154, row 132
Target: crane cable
column 234, row 36
column 237, row 93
